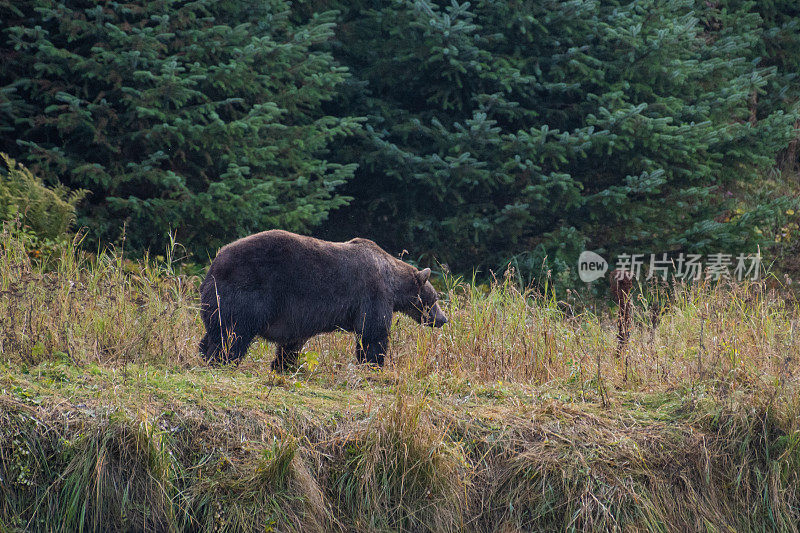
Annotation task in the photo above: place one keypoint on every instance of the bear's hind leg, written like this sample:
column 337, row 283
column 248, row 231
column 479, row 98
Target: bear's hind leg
column 220, row 348
column 238, row 345
column 286, row 355
column 235, row 331
column 204, row 346
column 211, row 349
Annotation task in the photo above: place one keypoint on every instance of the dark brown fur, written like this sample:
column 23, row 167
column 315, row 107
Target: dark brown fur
column 287, row 288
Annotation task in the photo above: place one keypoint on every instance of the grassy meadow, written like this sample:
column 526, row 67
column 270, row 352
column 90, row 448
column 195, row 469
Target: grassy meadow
column 516, row 416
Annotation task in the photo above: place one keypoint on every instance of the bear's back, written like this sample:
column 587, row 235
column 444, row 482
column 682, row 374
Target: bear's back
column 299, row 257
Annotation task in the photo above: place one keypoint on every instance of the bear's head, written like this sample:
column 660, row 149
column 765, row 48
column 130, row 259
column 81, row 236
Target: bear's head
column 422, row 306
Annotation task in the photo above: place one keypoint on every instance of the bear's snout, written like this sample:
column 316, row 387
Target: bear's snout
column 435, row 317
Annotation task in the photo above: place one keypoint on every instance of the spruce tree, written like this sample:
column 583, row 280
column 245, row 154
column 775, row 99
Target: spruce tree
column 204, row 118
column 515, row 131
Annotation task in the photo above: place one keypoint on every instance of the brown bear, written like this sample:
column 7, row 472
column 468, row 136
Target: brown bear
column 287, row 288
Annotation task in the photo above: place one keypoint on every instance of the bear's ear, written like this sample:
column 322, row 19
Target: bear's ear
column 423, row 275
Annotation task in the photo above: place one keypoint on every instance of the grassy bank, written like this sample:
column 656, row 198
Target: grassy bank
column 515, row 416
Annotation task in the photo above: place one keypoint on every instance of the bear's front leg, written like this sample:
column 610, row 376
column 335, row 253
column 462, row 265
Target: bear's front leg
column 371, row 351
column 372, row 338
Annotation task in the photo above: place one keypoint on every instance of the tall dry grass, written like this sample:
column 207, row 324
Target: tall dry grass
column 93, row 307
column 105, row 309
column 693, row 427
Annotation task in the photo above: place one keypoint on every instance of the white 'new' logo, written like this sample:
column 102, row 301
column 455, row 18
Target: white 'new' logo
column 591, row 266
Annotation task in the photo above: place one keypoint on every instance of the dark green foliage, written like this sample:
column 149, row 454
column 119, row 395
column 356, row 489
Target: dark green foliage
column 48, row 212
column 496, row 132
column 778, row 46
column 505, row 131
column 200, row 117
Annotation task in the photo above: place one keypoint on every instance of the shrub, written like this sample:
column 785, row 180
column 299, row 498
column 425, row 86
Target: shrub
column 48, row 212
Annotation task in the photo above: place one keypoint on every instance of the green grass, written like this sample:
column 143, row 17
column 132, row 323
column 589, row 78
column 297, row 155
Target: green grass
column 516, row 416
